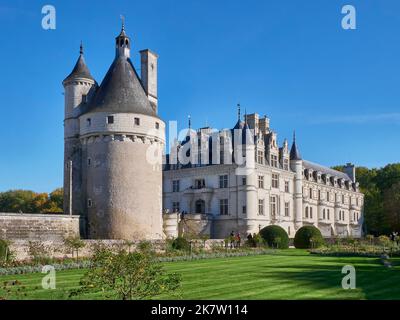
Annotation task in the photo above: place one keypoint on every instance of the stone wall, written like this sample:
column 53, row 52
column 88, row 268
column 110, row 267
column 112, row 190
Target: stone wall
column 42, row 227
column 57, row 249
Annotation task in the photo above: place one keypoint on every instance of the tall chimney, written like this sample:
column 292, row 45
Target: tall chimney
column 350, row 170
column 149, row 75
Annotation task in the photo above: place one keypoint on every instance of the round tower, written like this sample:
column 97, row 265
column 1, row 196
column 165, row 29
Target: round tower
column 296, row 164
column 79, row 87
column 122, row 144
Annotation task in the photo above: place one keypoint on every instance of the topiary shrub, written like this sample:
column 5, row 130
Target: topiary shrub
column 181, row 244
column 275, row 237
column 308, row 237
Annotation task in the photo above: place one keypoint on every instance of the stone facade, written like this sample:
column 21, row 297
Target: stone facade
column 281, row 188
column 114, row 142
column 40, row 227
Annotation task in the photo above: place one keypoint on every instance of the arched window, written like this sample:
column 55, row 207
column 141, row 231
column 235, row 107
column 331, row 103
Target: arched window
column 306, row 212
column 323, row 214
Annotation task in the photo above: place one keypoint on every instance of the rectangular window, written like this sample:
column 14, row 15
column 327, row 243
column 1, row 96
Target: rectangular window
column 261, row 182
column 285, row 164
column 175, row 186
column 137, row 122
column 287, row 186
column 310, row 212
column 260, row 157
column 200, row 183
column 110, row 119
column 84, row 98
column 176, row 207
column 328, row 196
column 88, row 122
column 223, row 181
column 328, row 214
column 89, row 161
column 343, row 198
column 244, row 181
column 273, row 205
column 319, row 195
column 244, row 210
column 287, row 209
column 311, row 193
column 261, row 207
column 275, row 180
column 274, row 161
column 157, row 125
column 223, row 207
column 89, row 203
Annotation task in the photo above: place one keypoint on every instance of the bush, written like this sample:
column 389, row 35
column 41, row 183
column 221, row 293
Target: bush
column 275, row 237
column 181, row 244
column 308, row 237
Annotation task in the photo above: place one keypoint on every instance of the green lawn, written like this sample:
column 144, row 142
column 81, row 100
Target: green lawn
column 288, row 274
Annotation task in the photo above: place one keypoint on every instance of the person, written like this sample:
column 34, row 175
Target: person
column 238, row 239
column 232, row 239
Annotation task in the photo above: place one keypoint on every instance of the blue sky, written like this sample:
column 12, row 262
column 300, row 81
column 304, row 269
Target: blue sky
column 288, row 59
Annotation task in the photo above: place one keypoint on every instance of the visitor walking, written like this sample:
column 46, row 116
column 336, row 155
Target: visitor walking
column 238, row 239
column 232, row 239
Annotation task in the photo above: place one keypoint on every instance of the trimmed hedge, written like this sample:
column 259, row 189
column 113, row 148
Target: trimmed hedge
column 275, row 237
column 308, row 237
column 181, row 244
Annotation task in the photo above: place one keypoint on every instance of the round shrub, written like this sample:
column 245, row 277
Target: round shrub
column 308, row 237
column 181, row 244
column 275, row 237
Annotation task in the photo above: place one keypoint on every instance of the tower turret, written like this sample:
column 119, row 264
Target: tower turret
column 296, row 164
column 79, row 87
column 122, row 44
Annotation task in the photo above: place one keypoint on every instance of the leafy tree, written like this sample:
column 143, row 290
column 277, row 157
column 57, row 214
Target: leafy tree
column 127, row 276
column 74, row 244
column 392, row 206
column 26, row 201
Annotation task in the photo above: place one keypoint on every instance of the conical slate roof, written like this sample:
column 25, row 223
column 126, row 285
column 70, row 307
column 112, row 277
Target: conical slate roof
column 294, row 152
column 80, row 70
column 121, row 91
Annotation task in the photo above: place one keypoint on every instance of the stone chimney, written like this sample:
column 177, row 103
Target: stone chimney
column 149, row 75
column 350, row 170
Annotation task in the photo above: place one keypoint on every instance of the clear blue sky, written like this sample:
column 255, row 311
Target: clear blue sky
column 288, row 59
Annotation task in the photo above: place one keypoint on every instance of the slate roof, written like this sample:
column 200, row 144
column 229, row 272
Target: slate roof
column 121, row 91
column 326, row 170
column 80, row 70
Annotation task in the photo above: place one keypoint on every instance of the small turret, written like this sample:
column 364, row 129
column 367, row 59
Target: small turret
column 122, row 44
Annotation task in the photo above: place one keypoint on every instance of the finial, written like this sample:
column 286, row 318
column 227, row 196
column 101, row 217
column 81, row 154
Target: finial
column 294, row 135
column 238, row 106
column 123, row 22
column 190, row 121
column 81, row 48
column 245, row 116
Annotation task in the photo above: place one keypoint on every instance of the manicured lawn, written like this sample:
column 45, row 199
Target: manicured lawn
column 288, row 274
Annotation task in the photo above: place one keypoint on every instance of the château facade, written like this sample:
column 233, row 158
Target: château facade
column 281, row 188
column 211, row 183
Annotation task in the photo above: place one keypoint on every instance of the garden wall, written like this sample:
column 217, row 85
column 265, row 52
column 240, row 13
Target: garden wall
column 41, row 227
column 57, row 249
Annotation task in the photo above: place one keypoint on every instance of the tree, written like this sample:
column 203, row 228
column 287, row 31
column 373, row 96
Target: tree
column 127, row 276
column 392, row 207
column 74, row 244
column 17, row 201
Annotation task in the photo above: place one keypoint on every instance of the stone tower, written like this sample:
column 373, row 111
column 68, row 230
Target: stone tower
column 120, row 145
column 296, row 164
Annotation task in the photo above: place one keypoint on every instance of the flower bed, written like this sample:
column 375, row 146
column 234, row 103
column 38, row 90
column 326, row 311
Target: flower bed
column 24, row 269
